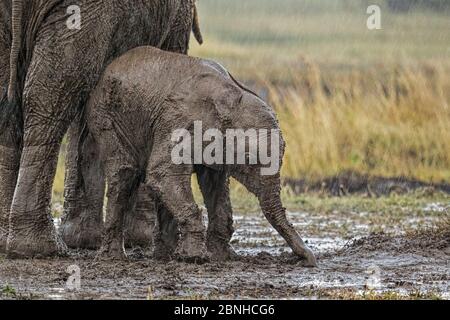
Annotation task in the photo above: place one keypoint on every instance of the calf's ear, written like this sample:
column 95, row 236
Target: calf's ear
column 226, row 103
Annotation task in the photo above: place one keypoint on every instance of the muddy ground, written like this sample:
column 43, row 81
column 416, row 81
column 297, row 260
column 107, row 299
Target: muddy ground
column 354, row 263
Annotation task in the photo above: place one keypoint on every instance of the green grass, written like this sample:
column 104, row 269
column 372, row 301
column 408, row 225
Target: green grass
column 8, row 292
column 389, row 208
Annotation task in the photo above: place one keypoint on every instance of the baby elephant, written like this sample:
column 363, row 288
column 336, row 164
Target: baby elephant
column 157, row 118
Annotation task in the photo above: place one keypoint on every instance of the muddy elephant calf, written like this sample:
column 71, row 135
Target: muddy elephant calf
column 154, row 116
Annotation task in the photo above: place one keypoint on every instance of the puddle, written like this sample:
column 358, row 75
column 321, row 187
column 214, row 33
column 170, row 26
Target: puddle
column 254, row 235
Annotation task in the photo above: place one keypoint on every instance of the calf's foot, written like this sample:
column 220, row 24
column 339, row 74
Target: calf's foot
column 166, row 236
column 221, row 250
column 138, row 235
column 161, row 250
column 112, row 250
column 192, row 249
column 81, row 232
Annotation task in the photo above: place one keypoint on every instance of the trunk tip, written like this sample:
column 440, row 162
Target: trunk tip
column 311, row 260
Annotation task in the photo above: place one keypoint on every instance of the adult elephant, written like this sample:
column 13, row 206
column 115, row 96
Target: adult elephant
column 52, row 68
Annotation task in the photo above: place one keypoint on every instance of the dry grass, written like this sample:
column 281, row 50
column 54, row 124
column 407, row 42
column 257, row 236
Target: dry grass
column 388, row 122
column 352, row 294
column 376, row 102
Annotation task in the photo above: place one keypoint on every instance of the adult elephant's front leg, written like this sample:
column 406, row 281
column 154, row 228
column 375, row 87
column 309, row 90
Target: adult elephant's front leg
column 214, row 186
column 31, row 229
column 84, row 188
column 61, row 74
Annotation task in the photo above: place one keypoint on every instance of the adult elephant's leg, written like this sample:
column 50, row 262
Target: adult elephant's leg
column 215, row 189
column 84, row 188
column 65, row 67
column 140, row 221
column 31, row 229
column 9, row 132
column 9, row 168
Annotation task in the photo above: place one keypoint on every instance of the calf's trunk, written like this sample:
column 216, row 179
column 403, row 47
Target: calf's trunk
column 268, row 192
column 276, row 214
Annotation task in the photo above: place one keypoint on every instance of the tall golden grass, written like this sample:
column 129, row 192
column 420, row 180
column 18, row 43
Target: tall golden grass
column 376, row 102
column 389, row 121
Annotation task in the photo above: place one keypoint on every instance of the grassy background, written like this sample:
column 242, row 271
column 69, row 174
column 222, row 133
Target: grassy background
column 348, row 98
column 265, row 35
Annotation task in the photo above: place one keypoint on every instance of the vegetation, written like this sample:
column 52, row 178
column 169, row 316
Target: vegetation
column 406, row 5
column 8, row 292
column 265, row 38
column 348, row 98
column 381, row 122
column 352, row 294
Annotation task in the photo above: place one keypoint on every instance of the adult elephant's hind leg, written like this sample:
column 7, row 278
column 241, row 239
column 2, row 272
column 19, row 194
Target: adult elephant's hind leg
column 84, row 188
column 215, row 189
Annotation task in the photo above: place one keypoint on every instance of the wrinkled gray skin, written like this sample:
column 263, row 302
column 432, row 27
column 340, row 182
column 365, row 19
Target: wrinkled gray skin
column 9, row 155
column 46, row 74
column 142, row 98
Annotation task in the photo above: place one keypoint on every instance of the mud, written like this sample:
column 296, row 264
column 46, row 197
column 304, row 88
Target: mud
column 352, row 265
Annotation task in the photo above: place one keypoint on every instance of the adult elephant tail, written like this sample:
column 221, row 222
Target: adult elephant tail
column 196, row 26
column 16, row 23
